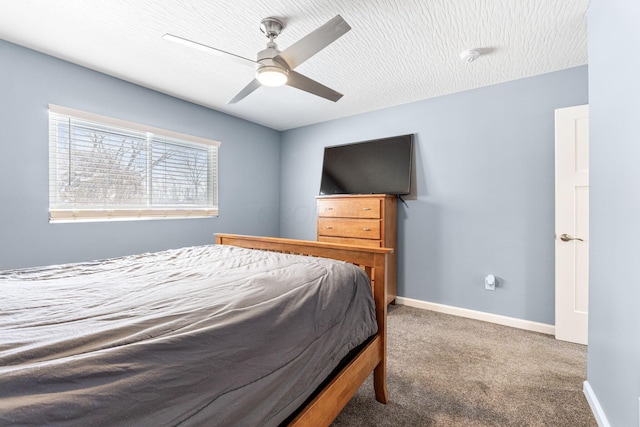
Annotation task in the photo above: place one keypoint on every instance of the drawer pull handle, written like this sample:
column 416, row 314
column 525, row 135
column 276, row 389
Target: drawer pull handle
column 366, row 209
column 329, row 209
column 366, row 229
column 328, row 227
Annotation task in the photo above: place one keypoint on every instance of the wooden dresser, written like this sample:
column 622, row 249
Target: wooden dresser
column 364, row 220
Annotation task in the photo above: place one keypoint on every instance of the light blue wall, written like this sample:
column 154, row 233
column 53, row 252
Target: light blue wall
column 485, row 192
column 613, row 357
column 29, row 81
column 484, row 201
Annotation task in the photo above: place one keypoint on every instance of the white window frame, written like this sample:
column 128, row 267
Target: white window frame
column 83, row 214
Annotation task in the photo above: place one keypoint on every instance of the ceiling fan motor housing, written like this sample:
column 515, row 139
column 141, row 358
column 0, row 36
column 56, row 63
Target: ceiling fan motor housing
column 269, row 53
column 271, row 69
column 266, row 57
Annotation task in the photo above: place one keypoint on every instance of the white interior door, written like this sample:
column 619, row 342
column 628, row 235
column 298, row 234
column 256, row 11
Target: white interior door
column 572, row 223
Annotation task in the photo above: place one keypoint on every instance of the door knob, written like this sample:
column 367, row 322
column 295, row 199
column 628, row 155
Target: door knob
column 566, row 238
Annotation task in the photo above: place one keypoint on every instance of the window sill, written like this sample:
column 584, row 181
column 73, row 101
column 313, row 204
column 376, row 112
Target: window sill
column 104, row 215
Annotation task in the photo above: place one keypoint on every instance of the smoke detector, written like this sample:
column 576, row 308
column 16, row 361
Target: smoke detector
column 469, row 55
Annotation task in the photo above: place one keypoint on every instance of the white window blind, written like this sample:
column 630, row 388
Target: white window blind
column 102, row 168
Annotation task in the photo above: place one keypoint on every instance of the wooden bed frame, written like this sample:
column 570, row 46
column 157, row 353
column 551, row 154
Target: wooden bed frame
column 328, row 403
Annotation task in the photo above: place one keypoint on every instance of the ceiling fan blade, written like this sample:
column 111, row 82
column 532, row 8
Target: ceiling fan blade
column 209, row 49
column 301, row 82
column 314, row 42
column 255, row 84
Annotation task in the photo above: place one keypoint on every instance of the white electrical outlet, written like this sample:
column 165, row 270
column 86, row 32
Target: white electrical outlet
column 490, row 282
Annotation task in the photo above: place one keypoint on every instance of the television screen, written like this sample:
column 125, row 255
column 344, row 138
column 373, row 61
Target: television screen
column 380, row 166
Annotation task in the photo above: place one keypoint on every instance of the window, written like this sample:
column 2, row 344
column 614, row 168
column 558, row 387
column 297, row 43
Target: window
column 102, row 168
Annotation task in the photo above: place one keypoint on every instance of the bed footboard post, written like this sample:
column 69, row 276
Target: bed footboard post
column 380, row 297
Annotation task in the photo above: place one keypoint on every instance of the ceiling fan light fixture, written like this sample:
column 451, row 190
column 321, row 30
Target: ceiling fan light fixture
column 270, row 75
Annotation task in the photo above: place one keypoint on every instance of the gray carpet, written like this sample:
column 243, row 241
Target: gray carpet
column 450, row 371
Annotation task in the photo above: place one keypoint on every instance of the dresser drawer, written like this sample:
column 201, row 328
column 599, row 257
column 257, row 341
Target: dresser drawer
column 368, row 220
column 350, row 241
column 340, row 227
column 354, row 208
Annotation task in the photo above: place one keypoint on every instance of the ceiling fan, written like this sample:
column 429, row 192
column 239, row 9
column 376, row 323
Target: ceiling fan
column 276, row 68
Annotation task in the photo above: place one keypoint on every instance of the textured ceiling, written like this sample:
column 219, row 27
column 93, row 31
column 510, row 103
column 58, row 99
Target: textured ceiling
column 398, row 51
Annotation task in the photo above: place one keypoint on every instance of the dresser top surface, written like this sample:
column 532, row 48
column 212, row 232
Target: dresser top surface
column 351, row 196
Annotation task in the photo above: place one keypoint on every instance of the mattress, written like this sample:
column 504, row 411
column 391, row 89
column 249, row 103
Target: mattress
column 204, row 335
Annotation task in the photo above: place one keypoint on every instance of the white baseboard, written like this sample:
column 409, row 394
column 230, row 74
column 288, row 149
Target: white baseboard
column 598, row 413
column 479, row 315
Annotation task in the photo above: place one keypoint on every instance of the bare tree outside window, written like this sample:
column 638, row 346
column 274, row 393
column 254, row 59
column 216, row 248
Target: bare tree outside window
column 102, row 167
column 102, row 173
column 180, row 175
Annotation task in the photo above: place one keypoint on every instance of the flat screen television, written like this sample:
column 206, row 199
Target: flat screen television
column 379, row 166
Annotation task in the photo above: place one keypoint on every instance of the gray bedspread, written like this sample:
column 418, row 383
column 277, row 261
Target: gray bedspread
column 208, row 335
